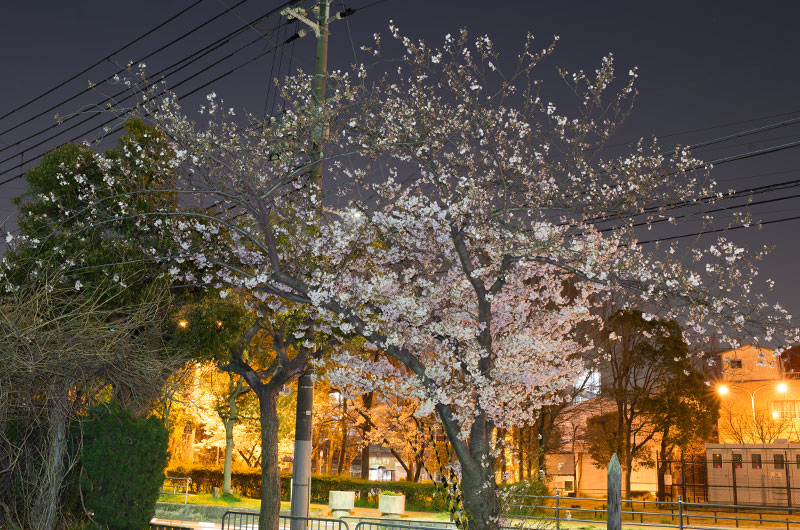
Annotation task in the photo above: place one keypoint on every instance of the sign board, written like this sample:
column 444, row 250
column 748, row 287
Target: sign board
column 668, row 479
column 775, row 474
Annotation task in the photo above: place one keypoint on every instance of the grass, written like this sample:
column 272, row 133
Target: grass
column 207, row 499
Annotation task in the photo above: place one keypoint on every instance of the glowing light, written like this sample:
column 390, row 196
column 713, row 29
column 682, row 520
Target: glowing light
column 782, row 387
column 183, row 323
column 775, row 415
column 722, row 390
column 219, row 323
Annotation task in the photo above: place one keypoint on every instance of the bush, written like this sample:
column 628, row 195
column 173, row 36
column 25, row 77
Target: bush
column 123, row 459
column 247, row 482
column 522, row 498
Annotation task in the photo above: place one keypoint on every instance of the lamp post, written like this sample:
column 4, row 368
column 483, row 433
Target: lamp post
column 723, row 390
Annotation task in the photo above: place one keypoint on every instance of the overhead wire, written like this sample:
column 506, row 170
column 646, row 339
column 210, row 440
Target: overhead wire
column 137, row 61
column 204, row 85
column 101, row 61
column 187, row 60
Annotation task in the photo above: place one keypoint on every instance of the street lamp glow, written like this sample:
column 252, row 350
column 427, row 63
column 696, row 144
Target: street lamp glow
column 183, row 323
column 782, row 388
column 722, row 390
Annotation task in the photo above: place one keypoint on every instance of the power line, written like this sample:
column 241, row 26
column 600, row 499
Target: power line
column 91, row 117
column 114, row 119
column 225, row 39
column 711, row 127
column 146, row 57
column 718, row 230
column 107, row 57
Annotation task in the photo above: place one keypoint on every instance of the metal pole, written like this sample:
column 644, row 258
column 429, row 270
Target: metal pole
column 683, row 474
column 558, row 522
column 680, row 512
column 301, row 469
column 788, row 480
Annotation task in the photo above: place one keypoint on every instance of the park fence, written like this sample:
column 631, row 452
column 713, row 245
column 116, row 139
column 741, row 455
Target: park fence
column 751, row 477
column 670, row 514
column 239, row 520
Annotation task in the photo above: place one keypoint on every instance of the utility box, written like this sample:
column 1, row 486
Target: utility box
column 754, row 474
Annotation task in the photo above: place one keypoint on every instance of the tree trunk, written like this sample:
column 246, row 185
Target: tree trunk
column 420, row 462
column 226, row 470
column 367, row 401
column 45, row 512
column 343, row 450
column 529, row 449
column 501, row 439
column 478, row 484
column 663, row 466
column 270, row 473
column 626, row 439
column 520, row 459
column 626, row 492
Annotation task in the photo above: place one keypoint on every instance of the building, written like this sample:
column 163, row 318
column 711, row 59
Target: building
column 757, row 461
column 759, row 395
column 383, row 465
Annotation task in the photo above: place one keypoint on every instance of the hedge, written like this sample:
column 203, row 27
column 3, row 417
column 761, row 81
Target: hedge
column 247, row 482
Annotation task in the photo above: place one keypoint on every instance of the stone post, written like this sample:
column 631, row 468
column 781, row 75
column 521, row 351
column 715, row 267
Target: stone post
column 614, row 513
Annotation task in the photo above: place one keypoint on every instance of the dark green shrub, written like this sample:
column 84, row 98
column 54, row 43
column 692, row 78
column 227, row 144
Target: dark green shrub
column 123, row 462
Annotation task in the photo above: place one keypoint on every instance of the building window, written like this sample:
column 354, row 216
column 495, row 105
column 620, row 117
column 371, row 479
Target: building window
column 735, row 363
column 755, row 459
column 797, row 459
column 737, row 460
column 717, row 459
column 785, row 409
column 777, row 461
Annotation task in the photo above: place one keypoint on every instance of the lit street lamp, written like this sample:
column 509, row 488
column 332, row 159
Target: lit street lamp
column 723, row 390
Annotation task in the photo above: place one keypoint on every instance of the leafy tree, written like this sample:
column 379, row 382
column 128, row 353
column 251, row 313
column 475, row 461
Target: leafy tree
column 123, row 460
column 56, row 231
column 683, row 412
column 653, row 388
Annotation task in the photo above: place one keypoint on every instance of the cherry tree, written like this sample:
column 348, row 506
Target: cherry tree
column 466, row 227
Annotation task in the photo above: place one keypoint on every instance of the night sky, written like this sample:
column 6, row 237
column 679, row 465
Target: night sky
column 707, row 69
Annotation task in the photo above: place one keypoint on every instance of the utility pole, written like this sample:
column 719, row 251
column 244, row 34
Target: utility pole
column 301, row 470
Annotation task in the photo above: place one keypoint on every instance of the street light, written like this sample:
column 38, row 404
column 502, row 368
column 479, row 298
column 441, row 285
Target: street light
column 723, row 390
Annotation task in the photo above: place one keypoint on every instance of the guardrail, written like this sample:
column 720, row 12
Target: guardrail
column 180, row 482
column 681, row 514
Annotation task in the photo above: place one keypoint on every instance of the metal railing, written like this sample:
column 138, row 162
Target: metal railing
column 179, row 482
column 401, row 524
column 237, row 520
column 667, row 514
